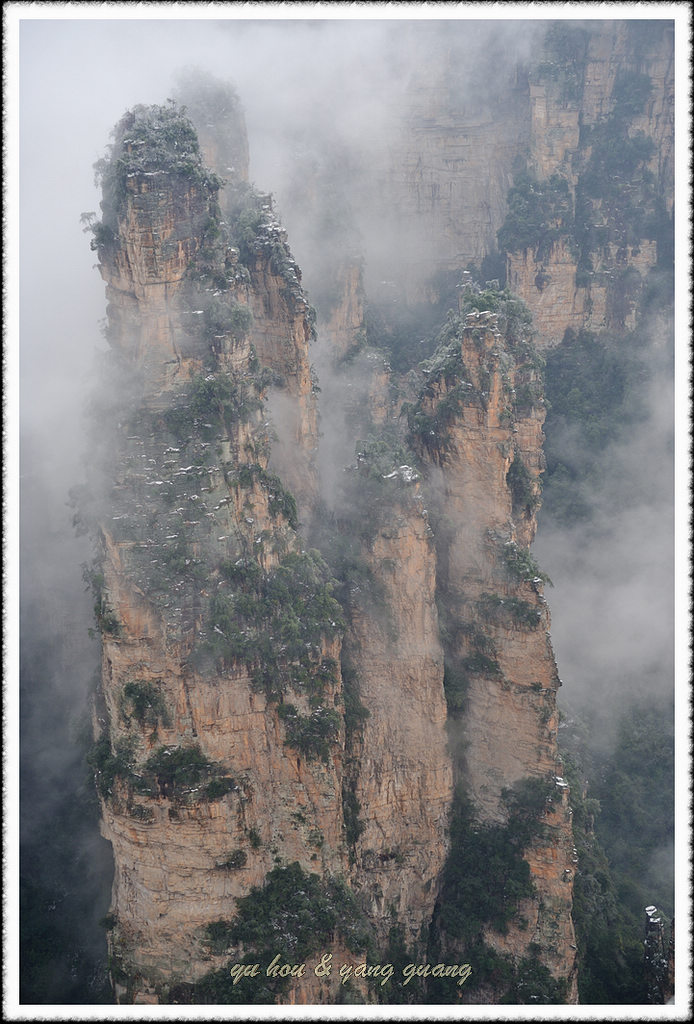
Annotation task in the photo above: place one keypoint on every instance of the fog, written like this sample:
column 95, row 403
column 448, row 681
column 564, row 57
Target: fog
column 323, row 103
column 613, row 601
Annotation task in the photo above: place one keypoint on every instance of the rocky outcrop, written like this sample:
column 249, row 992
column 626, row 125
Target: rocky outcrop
column 451, row 176
column 238, row 732
column 461, row 146
column 402, row 774
column 206, row 770
column 342, row 327
column 548, row 285
column 283, row 327
column 620, row 81
column 479, row 422
column 221, row 749
column 144, row 258
column 215, row 110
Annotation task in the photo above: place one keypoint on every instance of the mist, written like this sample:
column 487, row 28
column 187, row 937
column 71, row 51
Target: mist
column 612, row 604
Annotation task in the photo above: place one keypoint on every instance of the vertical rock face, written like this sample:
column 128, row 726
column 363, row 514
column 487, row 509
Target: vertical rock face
column 259, row 744
column 462, row 145
column 403, row 774
column 451, row 171
column 590, row 90
column 220, row 753
column 479, row 421
column 344, row 324
column 206, row 773
column 282, row 319
column 282, row 329
column 157, row 237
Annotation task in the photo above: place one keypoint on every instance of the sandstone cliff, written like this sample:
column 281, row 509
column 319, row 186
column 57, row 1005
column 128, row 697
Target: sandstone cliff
column 221, row 737
column 461, row 146
column 401, row 776
column 589, row 90
column 342, row 326
column 283, row 321
column 342, row 770
column 478, row 421
column 206, row 773
column 264, row 752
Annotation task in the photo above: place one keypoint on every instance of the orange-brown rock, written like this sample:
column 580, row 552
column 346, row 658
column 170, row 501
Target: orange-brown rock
column 509, row 727
column 186, row 492
column 282, row 330
column 548, row 286
column 403, row 779
column 159, row 232
column 547, row 282
column 343, row 327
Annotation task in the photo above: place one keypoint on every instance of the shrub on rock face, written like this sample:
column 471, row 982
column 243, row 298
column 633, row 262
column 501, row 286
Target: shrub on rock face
column 151, row 140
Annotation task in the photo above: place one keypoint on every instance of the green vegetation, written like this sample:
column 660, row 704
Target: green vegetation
column 617, row 202
column 212, row 402
column 480, row 659
column 525, row 491
column 524, row 981
column 445, row 373
column 596, row 388
column 295, row 914
column 485, row 876
column 209, row 278
column 106, row 619
column 621, row 827
column 456, row 682
column 539, row 213
column 142, row 701
column 222, row 316
column 355, row 712
column 299, row 913
column 399, row 954
column 107, row 765
column 275, row 622
column 611, row 960
column 497, row 609
column 312, row 735
column 520, row 564
column 255, row 231
column 532, row 984
column 564, row 59
column 235, row 860
column 616, row 179
column 280, row 501
column 178, row 773
column 430, row 428
column 635, row 788
column 149, row 140
column 630, row 92
column 351, row 809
